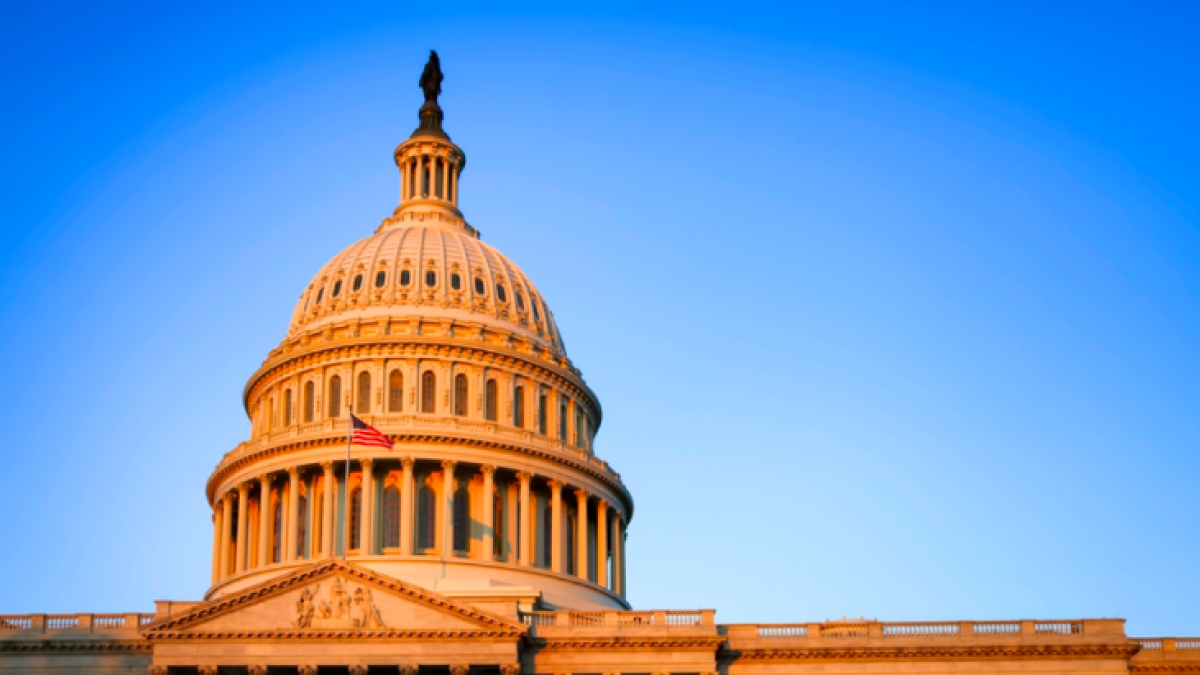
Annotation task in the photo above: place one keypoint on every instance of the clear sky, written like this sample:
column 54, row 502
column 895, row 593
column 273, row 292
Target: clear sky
column 894, row 309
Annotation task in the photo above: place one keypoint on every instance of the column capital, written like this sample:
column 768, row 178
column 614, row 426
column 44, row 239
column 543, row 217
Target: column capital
column 264, row 479
column 555, row 484
column 408, row 669
column 358, row 669
column 158, row 670
column 448, row 465
column 582, row 495
column 487, row 469
column 366, row 463
column 327, row 466
column 293, row 472
column 256, row 669
column 601, row 503
column 209, row 670
column 510, row 669
column 525, row 476
column 459, row 669
column 306, row 669
column 407, row 463
column 243, row 489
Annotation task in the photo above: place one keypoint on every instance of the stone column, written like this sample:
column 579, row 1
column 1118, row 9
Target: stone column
column 556, row 526
column 487, row 547
column 448, row 508
column 617, row 545
column 523, row 520
column 602, row 543
column 291, row 526
column 239, row 563
column 621, row 553
column 226, row 533
column 264, row 520
column 581, row 533
column 328, row 494
column 216, row 551
column 366, row 537
column 445, row 178
column 454, row 183
column 406, row 507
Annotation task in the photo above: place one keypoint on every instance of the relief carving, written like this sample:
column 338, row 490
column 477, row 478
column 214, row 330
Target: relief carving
column 340, row 609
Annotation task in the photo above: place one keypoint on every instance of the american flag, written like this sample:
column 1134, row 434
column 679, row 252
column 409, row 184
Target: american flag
column 365, row 434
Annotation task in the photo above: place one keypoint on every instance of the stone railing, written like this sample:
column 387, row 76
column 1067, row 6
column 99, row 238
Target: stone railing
column 618, row 619
column 868, row 629
column 1167, row 644
column 11, row 624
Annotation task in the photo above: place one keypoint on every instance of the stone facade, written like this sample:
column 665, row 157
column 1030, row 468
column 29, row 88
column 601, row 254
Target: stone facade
column 489, row 537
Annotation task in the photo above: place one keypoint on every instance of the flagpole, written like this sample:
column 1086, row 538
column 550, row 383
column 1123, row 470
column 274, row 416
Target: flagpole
column 346, row 490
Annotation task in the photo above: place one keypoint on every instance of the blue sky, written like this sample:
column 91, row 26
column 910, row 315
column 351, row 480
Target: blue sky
column 892, row 308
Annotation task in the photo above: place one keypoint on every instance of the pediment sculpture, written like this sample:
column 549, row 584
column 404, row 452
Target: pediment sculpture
column 339, row 608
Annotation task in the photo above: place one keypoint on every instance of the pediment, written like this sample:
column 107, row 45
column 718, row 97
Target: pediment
column 333, row 596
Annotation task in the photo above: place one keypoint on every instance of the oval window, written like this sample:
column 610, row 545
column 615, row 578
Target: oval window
column 479, row 286
column 337, row 288
column 358, row 283
column 431, row 278
column 520, row 301
column 405, row 277
column 320, row 294
column 455, row 282
column 500, row 293
column 380, row 278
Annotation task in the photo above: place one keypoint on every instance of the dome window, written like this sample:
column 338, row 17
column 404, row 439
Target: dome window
column 455, row 282
column 380, row 279
column 405, row 277
column 357, row 283
column 431, row 278
column 534, row 303
column 320, row 294
column 500, row 293
column 337, row 288
column 520, row 301
column 479, row 287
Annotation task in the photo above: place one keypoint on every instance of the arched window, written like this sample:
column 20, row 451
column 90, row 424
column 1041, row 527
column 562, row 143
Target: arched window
column 395, row 391
column 462, row 519
column 519, row 407
column 380, row 279
column 355, row 516
column 337, row 288
column 533, row 302
column 562, row 421
column 391, row 517
column 542, row 414
column 578, row 426
column 405, row 277
column 362, row 402
column 456, row 281
column 547, row 536
column 270, row 410
column 310, row 396
column 428, row 392
column 277, row 540
column 320, row 294
column 426, row 518
column 489, row 400
column 460, row 394
column 497, row 525
column 358, row 282
column 302, row 527
column 431, row 278
column 335, row 396
column 500, row 295
column 520, row 301
column 570, row 537
column 480, row 288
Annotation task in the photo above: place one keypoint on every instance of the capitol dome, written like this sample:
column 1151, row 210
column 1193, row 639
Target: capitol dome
column 428, row 266
column 483, row 482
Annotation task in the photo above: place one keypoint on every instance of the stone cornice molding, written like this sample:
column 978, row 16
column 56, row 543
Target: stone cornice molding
column 1106, row 651
column 325, row 636
column 74, row 646
column 1165, row 667
column 626, row 643
column 223, row 471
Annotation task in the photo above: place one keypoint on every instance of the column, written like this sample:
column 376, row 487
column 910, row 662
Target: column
column 581, row 533
column 525, row 523
column 445, row 177
column 216, row 550
column 487, row 548
column 264, row 520
column 239, row 563
column 406, row 507
column 556, row 526
column 616, row 551
column 328, row 494
column 226, row 532
column 403, row 168
column 621, row 553
column 448, row 508
column 602, row 543
column 366, row 538
column 454, row 183
column 291, row 526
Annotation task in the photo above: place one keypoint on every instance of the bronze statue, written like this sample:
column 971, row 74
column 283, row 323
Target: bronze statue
column 431, row 78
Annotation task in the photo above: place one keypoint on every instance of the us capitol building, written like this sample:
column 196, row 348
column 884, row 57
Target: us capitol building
column 491, row 538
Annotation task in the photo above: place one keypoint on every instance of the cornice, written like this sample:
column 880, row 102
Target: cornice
column 309, row 636
column 1165, row 667
column 707, row 643
column 75, row 646
column 938, row 652
column 224, row 470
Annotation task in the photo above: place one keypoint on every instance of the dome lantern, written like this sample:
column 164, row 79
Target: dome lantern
column 430, row 164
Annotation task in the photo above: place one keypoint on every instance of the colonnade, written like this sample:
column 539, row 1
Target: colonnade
column 407, row 507
column 430, row 176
